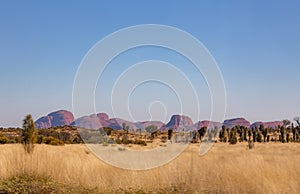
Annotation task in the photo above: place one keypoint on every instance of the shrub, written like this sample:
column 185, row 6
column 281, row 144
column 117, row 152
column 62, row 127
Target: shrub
column 127, row 141
column 121, row 149
column 232, row 137
column 3, row 139
column 40, row 139
column 164, row 139
column 11, row 141
column 170, row 132
column 140, row 142
column 118, row 141
column 272, row 139
column 111, row 141
column 107, row 130
column 250, row 144
column 17, row 139
column 259, row 137
column 52, row 141
column 57, row 142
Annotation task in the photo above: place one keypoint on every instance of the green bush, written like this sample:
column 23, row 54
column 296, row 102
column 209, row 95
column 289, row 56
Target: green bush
column 118, row 141
column 232, row 137
column 3, row 139
column 259, row 137
column 52, row 141
column 140, row 142
column 40, row 139
column 127, row 141
column 164, row 139
column 11, row 141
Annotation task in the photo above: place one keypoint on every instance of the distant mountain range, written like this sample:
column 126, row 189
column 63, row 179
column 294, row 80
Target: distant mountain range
column 177, row 122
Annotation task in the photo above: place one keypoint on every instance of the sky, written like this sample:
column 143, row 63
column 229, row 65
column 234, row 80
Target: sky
column 256, row 45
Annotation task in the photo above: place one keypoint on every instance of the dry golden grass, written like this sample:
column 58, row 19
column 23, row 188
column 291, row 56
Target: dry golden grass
column 269, row 168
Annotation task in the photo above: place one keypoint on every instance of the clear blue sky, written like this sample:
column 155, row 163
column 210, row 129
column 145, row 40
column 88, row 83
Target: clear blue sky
column 255, row 43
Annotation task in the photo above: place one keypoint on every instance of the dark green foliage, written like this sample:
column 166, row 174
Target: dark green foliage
column 40, row 139
column 294, row 131
column 242, row 131
column 259, row 137
column 3, row 139
column 268, row 138
column 170, row 132
column 106, row 131
column 232, row 136
column 29, row 134
column 254, row 135
column 287, row 137
column 202, row 132
column 118, row 141
column 245, row 134
column 249, row 134
column 127, row 141
column 52, row 141
column 264, row 132
column 64, row 136
column 282, row 131
column 49, row 132
column 164, row 139
column 140, row 142
column 221, row 134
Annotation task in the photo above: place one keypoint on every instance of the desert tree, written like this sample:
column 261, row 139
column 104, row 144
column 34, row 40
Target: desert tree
column 264, row 131
column 152, row 129
column 193, row 136
column 107, row 130
column 294, row 131
column 259, row 137
column 202, row 132
column 254, row 134
column 286, row 122
column 282, row 132
column 241, row 131
column 125, row 128
column 222, row 134
column 245, row 129
column 287, row 137
column 249, row 134
column 29, row 134
column 297, row 119
column 170, row 133
column 232, row 136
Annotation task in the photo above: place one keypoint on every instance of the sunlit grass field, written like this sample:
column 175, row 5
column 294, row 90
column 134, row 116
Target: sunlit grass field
column 268, row 168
